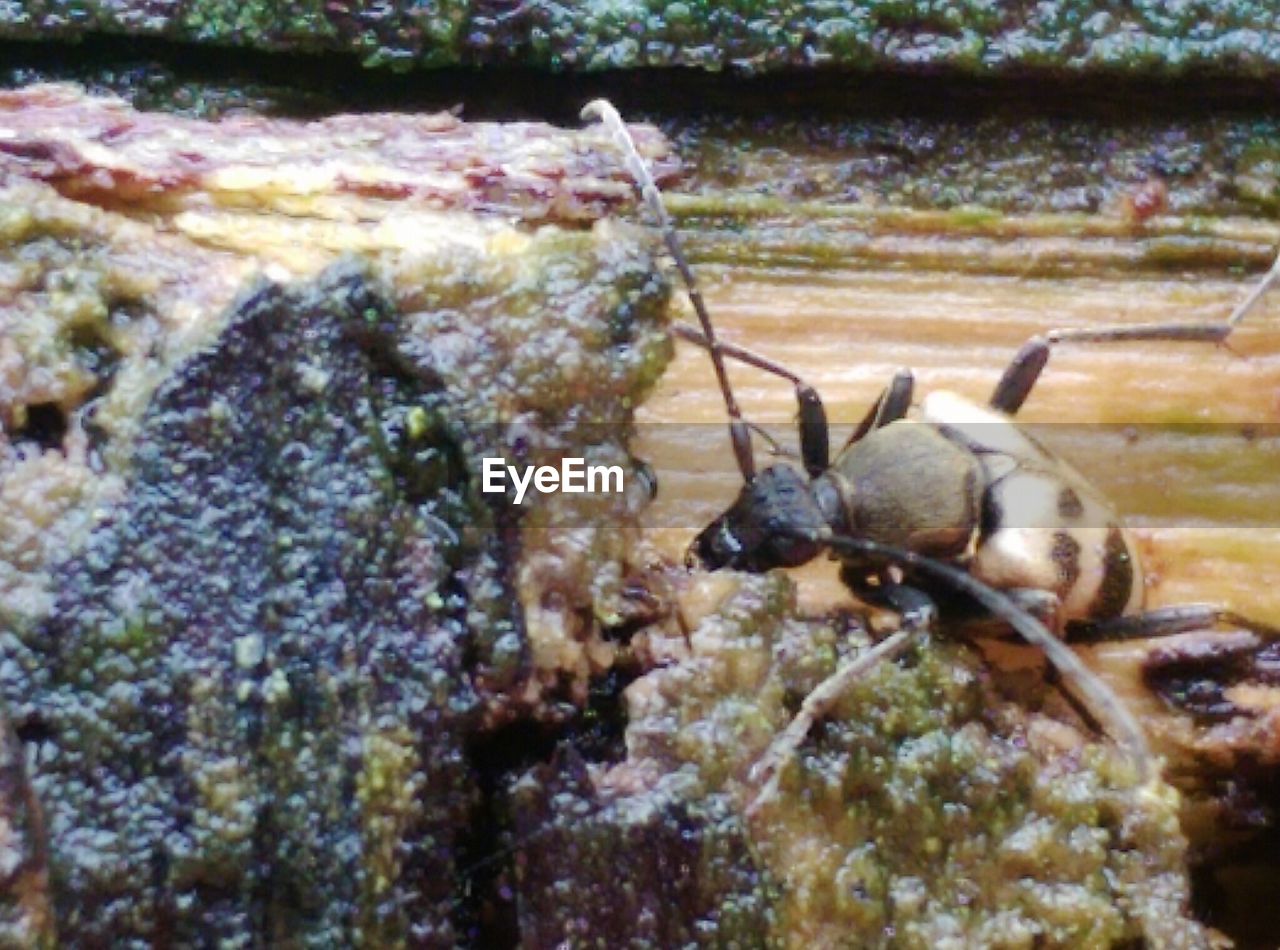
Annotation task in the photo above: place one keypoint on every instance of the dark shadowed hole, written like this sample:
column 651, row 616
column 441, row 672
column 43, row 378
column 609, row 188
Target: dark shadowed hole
column 46, row 426
column 487, row 913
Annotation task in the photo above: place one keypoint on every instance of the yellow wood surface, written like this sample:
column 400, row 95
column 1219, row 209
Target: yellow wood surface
column 1182, row 437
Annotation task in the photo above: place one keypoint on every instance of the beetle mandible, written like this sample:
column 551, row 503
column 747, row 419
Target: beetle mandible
column 943, row 496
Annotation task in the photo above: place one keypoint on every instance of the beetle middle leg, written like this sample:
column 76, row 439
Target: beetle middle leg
column 1024, row 370
column 893, row 404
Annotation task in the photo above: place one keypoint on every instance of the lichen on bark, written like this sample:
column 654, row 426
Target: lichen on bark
column 979, row 37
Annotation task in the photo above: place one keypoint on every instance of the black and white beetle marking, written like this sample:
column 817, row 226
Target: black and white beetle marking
column 944, row 496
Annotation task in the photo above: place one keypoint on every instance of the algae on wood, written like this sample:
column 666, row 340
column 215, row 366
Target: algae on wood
column 257, row 612
column 563, row 342
column 925, row 812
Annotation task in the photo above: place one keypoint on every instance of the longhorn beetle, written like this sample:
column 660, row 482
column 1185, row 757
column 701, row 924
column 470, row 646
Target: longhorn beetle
column 948, row 493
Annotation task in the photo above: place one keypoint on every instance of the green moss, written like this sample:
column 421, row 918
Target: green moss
column 298, row 23
column 970, row 216
column 220, row 697
column 283, row 595
column 1258, row 175
column 972, row 36
column 923, row 810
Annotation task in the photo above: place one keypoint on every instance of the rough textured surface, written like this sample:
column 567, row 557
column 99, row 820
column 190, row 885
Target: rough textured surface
column 270, row 629
column 99, row 149
column 93, row 307
column 532, row 344
column 925, row 812
column 254, row 614
column 26, row 914
column 690, row 877
column 250, row 697
column 977, row 36
column 990, row 162
column 545, row 338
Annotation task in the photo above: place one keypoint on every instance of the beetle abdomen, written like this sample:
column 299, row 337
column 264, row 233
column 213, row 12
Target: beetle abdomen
column 1043, row 525
column 1045, row 533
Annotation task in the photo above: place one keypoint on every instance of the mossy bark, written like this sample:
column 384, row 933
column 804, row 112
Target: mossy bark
column 978, row 37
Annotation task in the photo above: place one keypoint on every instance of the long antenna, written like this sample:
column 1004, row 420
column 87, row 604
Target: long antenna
column 1242, row 308
column 1097, row 695
column 739, row 434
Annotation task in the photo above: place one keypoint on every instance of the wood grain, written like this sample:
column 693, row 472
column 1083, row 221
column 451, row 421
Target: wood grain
column 1183, row 437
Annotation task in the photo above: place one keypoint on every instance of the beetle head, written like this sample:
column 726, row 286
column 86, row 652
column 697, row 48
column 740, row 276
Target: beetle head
column 774, row 522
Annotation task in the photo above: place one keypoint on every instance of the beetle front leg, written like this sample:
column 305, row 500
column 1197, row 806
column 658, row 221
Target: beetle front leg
column 815, row 448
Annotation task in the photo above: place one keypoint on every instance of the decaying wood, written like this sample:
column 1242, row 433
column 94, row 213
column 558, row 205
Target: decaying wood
column 1182, row 437
column 101, row 149
column 289, row 197
column 148, row 428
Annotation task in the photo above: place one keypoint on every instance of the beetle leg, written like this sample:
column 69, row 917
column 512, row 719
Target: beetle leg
column 1198, row 674
column 1044, row 605
column 1201, row 332
column 1023, row 372
column 1206, row 332
column 891, row 406
column 814, row 439
column 1164, row 622
column 1020, row 376
column 916, row 608
column 764, row 774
